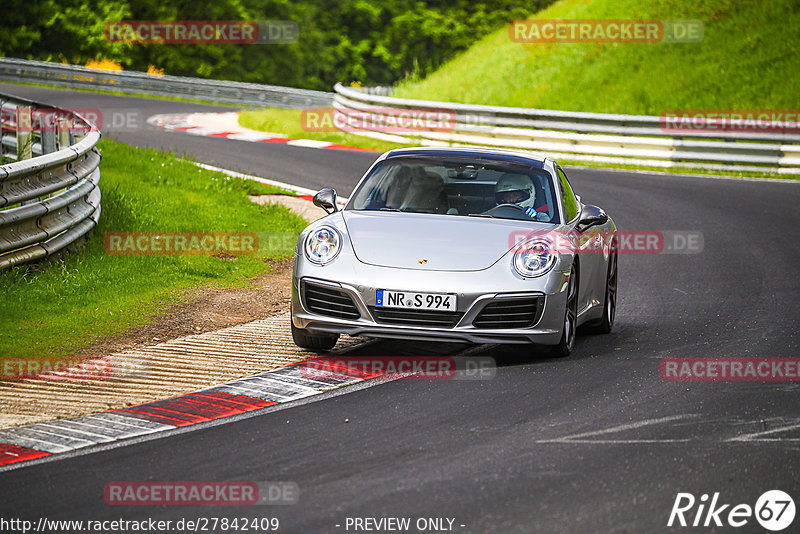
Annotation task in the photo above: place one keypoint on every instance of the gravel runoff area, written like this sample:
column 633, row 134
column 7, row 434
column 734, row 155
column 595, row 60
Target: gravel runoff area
column 213, row 336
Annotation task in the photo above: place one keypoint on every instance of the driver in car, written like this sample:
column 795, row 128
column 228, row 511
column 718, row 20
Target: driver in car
column 517, row 189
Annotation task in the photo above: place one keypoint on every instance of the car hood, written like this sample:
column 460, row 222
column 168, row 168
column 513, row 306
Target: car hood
column 433, row 242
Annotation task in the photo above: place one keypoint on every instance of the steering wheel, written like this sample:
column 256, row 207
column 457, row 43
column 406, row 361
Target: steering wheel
column 501, row 206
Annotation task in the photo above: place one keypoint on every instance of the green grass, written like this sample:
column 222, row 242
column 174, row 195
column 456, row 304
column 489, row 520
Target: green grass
column 289, row 122
column 251, row 187
column 67, row 304
column 749, row 59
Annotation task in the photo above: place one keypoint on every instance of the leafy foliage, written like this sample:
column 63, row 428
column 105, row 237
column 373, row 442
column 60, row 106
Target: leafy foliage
column 375, row 42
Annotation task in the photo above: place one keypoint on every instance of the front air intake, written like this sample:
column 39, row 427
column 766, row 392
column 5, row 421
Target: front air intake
column 510, row 313
column 329, row 301
column 404, row 316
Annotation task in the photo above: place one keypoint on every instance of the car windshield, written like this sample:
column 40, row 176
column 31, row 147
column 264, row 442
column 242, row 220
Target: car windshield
column 459, row 187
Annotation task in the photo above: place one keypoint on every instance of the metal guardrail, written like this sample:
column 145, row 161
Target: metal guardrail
column 49, row 193
column 75, row 76
column 576, row 136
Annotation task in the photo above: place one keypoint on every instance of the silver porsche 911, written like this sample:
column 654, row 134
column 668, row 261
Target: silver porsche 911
column 456, row 244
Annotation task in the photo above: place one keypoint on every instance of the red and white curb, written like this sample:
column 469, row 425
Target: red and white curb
column 271, row 388
column 225, row 125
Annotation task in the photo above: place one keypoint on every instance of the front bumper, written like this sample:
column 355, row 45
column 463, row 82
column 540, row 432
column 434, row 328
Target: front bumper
column 474, row 290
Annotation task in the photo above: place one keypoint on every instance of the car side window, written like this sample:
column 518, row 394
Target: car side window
column 567, row 196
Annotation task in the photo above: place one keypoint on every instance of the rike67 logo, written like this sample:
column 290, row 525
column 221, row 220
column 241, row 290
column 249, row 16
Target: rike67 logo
column 774, row 511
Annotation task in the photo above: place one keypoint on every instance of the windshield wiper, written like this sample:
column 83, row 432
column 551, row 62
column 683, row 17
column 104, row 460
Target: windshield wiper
column 482, row 215
column 390, row 209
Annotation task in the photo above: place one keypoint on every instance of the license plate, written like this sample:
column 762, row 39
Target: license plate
column 416, row 301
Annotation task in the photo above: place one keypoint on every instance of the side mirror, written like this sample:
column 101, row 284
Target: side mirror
column 591, row 216
column 326, row 199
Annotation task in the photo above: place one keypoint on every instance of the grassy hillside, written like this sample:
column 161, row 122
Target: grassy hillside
column 749, row 59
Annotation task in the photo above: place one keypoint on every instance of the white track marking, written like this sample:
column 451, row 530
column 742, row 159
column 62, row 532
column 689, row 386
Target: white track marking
column 579, row 438
column 249, row 137
column 756, row 436
column 203, row 131
column 310, row 143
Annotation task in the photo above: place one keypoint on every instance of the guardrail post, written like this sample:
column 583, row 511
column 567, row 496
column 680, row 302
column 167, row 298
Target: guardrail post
column 63, row 133
column 48, row 138
column 25, row 139
column 24, row 133
column 65, row 139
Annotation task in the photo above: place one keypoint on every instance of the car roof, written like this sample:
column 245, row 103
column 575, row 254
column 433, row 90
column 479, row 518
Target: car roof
column 477, row 152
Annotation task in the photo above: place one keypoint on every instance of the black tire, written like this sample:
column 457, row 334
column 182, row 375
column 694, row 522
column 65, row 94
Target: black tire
column 567, row 343
column 316, row 342
column 606, row 323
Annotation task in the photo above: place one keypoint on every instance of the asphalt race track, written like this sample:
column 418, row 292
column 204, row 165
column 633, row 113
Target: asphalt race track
column 597, row 442
column 124, row 119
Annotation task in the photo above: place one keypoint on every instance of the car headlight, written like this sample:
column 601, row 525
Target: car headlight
column 323, row 244
column 535, row 257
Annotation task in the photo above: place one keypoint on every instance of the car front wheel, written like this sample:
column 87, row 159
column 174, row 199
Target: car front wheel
column 316, row 342
column 604, row 325
column 564, row 347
